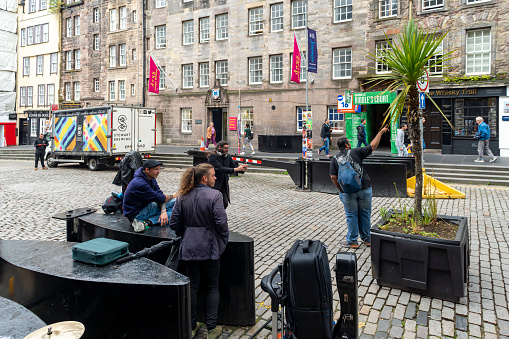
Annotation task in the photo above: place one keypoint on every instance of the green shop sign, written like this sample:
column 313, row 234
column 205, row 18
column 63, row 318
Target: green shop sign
column 373, row 98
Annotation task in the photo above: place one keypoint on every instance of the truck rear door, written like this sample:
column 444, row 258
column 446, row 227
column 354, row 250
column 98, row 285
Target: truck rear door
column 122, row 130
column 145, row 133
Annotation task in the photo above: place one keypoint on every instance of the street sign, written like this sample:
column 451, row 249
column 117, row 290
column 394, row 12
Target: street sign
column 422, row 101
column 346, row 106
column 423, row 83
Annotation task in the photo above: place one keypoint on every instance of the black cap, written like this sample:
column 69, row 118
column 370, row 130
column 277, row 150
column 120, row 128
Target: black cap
column 151, row 163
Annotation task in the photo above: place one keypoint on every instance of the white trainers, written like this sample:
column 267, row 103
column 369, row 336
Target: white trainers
column 493, row 159
column 138, row 225
column 478, row 160
column 242, row 153
column 253, row 153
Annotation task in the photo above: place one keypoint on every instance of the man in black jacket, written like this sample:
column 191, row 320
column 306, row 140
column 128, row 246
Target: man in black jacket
column 325, row 134
column 224, row 166
column 40, row 150
column 361, row 134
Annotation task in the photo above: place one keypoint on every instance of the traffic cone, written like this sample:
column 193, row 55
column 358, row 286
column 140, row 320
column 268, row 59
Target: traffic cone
column 202, row 146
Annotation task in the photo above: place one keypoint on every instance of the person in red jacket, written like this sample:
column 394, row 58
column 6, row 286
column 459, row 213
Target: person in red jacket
column 40, row 150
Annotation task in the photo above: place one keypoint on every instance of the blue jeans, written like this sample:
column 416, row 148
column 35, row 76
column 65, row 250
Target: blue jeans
column 152, row 212
column 326, row 146
column 363, row 141
column 358, row 214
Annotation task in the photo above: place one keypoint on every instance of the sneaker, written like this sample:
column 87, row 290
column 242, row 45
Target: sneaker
column 138, row 225
column 44, row 168
column 242, row 153
column 478, row 160
column 36, row 168
column 253, row 153
column 319, row 152
column 215, row 333
column 493, row 159
column 195, row 330
column 367, row 242
column 345, row 243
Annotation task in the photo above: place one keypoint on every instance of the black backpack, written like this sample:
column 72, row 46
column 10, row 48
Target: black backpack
column 112, row 205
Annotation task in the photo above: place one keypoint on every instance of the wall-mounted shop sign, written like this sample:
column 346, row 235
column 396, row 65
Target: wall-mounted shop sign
column 468, row 92
column 37, row 114
column 373, row 98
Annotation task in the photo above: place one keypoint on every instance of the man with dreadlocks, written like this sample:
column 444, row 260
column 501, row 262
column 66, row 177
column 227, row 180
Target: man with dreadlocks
column 200, row 219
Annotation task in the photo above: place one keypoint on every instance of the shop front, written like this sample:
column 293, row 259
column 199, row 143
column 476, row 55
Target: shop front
column 461, row 106
column 38, row 121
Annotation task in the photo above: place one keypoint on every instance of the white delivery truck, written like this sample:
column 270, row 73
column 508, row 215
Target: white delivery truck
column 98, row 136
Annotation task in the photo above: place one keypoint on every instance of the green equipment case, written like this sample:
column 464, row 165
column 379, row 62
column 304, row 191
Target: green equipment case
column 99, row 251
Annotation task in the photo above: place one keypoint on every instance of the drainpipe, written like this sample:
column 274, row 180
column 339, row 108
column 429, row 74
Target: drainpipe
column 144, row 53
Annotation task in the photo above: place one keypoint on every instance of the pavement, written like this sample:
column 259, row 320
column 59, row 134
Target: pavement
column 270, row 209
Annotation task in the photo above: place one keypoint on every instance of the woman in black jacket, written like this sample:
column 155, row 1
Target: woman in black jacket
column 200, row 219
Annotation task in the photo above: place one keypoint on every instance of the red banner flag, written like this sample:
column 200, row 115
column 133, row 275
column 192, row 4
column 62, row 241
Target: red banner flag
column 153, row 81
column 295, row 62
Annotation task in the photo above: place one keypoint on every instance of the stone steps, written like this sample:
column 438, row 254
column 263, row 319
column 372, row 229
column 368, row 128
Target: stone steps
column 469, row 174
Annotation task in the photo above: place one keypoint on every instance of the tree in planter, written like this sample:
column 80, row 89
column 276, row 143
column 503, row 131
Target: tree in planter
column 408, row 59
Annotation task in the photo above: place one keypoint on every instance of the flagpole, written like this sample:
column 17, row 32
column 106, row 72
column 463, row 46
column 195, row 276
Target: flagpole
column 162, row 70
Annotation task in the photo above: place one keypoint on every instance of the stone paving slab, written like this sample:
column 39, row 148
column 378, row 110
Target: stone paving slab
column 269, row 208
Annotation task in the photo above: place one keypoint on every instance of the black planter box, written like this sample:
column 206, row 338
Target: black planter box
column 428, row 266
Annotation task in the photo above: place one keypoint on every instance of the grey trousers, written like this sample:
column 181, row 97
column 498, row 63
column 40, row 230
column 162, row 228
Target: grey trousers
column 484, row 145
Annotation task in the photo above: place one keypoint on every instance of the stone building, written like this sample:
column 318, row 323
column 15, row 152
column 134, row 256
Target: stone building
column 243, row 49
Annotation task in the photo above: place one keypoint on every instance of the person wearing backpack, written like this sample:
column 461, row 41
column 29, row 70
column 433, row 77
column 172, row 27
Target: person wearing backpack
column 483, row 134
column 354, row 186
column 361, row 134
column 248, row 136
column 325, row 134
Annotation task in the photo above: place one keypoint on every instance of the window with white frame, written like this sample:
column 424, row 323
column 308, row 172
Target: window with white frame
column 187, row 76
column 342, row 10
column 187, row 120
column 96, row 15
column 112, row 90
column 387, row 8
column 204, row 74
column 96, row 42
column 222, row 27
column 299, row 13
column 51, row 94
column 436, row 60
column 113, row 19
column 255, row 70
column 134, row 54
column 276, row 69
column 68, row 60
column 222, row 72
column 67, row 88
column 204, row 29
column 40, row 64
column 300, row 112
column 97, row 86
column 476, row 1
column 432, row 4
column 68, row 25
column 135, row 16
column 336, row 119
column 38, row 34
column 113, row 56
column 381, row 48
column 303, row 69
column 30, row 96
column 256, row 21
column 77, row 91
column 160, row 37
column 276, row 17
column 342, row 63
column 246, row 117
column 123, row 17
column 44, row 5
column 77, row 59
column 187, row 32
column 123, row 55
column 23, row 37
column 162, row 78
column 160, row 3
column 26, row 66
column 121, row 90
column 53, row 63
column 45, row 33
column 41, row 95
column 33, row 127
column 77, row 25
column 22, row 96
column 30, row 35
column 31, row 6
column 132, row 90
column 478, row 51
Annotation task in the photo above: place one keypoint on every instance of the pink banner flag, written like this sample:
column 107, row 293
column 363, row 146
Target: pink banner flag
column 153, row 81
column 295, row 62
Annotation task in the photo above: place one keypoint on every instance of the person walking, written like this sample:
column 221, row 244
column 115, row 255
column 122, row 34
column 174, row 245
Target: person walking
column 400, row 141
column 200, row 219
column 224, row 166
column 211, row 135
column 325, row 134
column 357, row 205
column 361, row 134
column 483, row 134
column 40, row 150
column 248, row 136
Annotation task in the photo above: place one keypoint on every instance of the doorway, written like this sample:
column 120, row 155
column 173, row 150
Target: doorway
column 433, row 125
column 377, row 115
column 219, row 119
column 23, row 132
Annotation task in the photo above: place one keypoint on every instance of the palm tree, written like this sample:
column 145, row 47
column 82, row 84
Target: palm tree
column 408, row 59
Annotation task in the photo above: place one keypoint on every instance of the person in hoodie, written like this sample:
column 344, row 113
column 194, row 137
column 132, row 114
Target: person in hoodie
column 40, row 150
column 144, row 202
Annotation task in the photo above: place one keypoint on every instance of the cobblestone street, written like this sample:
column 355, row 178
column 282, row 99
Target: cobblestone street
column 269, row 208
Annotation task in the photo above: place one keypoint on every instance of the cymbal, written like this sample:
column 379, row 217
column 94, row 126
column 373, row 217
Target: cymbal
column 61, row 330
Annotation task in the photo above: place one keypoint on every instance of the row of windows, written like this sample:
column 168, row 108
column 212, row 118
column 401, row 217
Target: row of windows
column 39, row 64
column 72, row 60
column 45, row 95
column 34, row 35
column 73, row 29
column 34, row 4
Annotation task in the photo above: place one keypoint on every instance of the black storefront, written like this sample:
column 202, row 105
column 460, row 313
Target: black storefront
column 36, row 123
column 461, row 106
